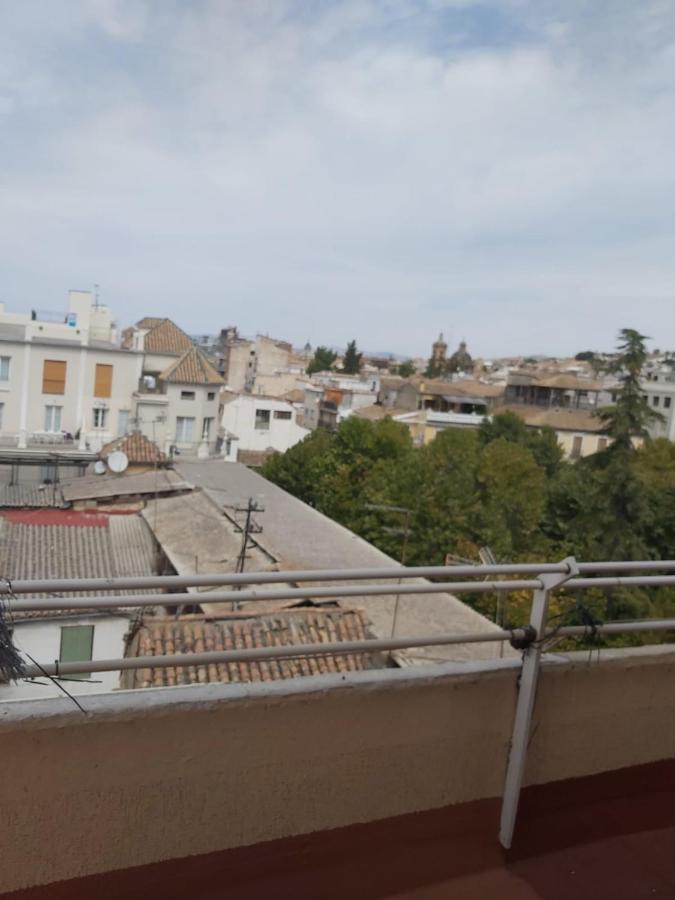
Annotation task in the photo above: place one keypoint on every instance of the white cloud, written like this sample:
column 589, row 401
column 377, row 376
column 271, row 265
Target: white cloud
column 382, row 170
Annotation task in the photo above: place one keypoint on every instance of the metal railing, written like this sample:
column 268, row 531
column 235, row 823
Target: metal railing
column 542, row 579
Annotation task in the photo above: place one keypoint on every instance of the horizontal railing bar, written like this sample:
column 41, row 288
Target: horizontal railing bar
column 313, row 593
column 322, row 593
column 614, row 628
column 620, row 581
column 211, row 657
column 170, row 582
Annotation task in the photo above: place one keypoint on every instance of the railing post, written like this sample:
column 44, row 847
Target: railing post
column 525, row 705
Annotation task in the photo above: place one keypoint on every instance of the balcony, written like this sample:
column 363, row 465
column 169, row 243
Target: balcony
column 395, row 783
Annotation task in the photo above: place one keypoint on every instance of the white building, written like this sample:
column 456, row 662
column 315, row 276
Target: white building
column 176, row 398
column 261, row 423
column 64, row 374
column 659, row 390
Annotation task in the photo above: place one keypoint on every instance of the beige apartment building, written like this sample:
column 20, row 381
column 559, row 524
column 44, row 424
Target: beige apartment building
column 64, row 375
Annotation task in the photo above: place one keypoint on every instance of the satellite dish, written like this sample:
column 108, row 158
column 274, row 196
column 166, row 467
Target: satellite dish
column 117, row 461
column 99, row 467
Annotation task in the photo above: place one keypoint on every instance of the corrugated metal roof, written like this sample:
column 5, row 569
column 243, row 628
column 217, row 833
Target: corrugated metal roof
column 122, row 545
column 196, row 634
column 95, row 487
column 31, row 496
column 192, row 368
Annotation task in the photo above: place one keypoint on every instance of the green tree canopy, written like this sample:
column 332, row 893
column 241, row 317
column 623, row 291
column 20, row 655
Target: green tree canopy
column 322, row 362
column 631, row 414
column 405, row 369
column 351, row 363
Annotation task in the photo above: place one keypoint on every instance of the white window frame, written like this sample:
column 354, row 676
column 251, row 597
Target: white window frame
column 261, row 424
column 4, row 368
column 185, row 427
column 53, row 416
column 100, row 417
column 2, row 414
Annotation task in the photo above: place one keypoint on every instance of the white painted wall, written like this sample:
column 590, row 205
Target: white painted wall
column 24, row 402
column 41, row 638
column 239, row 418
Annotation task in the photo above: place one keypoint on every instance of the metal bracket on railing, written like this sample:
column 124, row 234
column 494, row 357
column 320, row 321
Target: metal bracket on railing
column 526, row 697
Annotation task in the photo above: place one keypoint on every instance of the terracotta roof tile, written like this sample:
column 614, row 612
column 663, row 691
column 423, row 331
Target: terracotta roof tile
column 164, row 336
column 193, row 634
column 137, row 447
column 192, row 368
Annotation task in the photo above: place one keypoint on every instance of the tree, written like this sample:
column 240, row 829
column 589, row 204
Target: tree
column 542, row 442
column 631, row 414
column 323, row 360
column 351, row 363
column 585, row 356
column 512, row 489
column 434, row 368
column 406, row 368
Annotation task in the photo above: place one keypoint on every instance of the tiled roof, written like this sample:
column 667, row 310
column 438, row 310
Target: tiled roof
column 109, row 547
column 31, row 496
column 559, row 419
column 192, row 368
column 164, row 336
column 195, row 634
column 137, row 447
column 465, row 387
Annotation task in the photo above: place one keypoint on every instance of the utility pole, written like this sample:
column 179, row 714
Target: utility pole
column 250, row 526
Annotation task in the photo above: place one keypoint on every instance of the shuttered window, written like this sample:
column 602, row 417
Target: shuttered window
column 103, row 380
column 54, row 376
column 77, row 642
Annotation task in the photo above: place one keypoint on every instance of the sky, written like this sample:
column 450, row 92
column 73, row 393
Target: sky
column 383, row 170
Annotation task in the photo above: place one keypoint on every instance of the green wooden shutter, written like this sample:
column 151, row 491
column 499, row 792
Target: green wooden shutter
column 77, row 642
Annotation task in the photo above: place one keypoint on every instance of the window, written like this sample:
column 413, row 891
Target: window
column 77, row 643
column 184, row 428
column 2, row 412
column 206, row 428
column 576, row 446
column 4, row 368
column 211, row 395
column 123, row 422
column 103, row 380
column 187, row 395
column 54, row 376
column 282, row 414
column 100, row 418
column 602, row 444
column 262, row 419
column 655, row 401
column 666, row 402
column 53, row 418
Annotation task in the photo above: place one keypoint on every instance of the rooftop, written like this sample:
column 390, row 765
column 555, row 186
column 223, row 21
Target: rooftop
column 137, row 447
column 192, row 368
column 229, row 631
column 298, row 537
column 164, row 337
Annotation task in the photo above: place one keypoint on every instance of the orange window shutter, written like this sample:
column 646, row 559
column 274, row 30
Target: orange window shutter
column 103, row 380
column 54, row 376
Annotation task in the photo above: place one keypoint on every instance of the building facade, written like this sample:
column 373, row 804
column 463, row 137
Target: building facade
column 64, row 377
